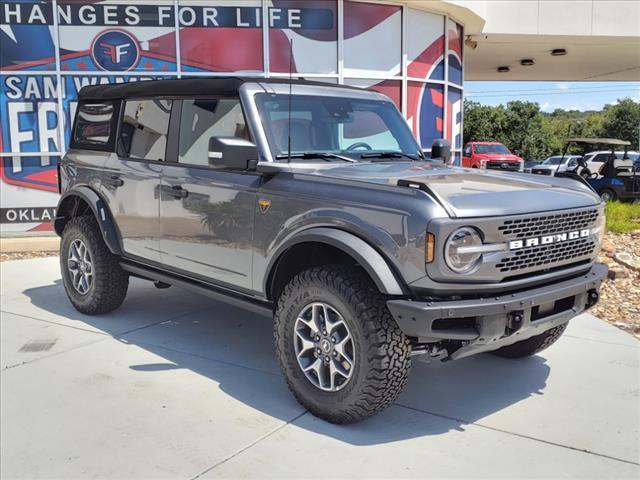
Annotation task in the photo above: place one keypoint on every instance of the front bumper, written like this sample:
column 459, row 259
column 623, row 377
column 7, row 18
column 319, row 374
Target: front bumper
column 485, row 324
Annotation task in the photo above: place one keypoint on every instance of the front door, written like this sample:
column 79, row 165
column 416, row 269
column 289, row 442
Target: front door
column 207, row 213
column 466, row 156
column 131, row 178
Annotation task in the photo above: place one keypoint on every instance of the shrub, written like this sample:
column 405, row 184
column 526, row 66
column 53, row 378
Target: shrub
column 623, row 217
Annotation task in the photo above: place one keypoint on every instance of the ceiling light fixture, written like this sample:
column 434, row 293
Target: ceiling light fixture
column 558, row 52
column 527, row 62
column 503, row 69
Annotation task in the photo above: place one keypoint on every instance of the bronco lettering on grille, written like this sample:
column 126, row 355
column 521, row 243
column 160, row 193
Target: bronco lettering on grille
column 548, row 239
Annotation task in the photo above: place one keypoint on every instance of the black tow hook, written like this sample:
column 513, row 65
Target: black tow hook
column 514, row 322
column 592, row 298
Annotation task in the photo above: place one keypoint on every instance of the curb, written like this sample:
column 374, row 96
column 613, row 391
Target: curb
column 29, row 244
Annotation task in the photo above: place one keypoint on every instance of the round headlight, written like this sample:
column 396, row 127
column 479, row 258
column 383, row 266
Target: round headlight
column 459, row 257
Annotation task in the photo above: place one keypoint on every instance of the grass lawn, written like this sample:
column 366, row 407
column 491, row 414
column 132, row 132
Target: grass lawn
column 623, row 217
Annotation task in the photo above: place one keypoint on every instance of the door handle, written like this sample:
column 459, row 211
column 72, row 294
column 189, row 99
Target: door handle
column 115, row 181
column 177, row 191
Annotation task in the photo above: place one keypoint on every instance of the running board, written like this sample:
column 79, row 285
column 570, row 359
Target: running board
column 253, row 305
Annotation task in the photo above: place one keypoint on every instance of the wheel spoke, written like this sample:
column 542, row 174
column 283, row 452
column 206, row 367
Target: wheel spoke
column 78, row 284
column 309, row 323
column 316, row 367
column 331, row 326
column 341, row 349
column 75, row 256
column 315, row 316
column 306, row 343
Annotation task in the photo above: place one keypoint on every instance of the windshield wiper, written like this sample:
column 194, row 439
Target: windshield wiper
column 385, row 155
column 313, row 155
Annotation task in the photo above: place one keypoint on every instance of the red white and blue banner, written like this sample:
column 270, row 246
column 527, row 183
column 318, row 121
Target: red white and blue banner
column 50, row 50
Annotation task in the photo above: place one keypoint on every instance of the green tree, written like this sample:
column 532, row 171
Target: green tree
column 534, row 134
column 622, row 121
column 482, row 122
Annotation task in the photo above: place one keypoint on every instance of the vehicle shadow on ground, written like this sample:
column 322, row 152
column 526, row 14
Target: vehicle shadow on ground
column 231, row 346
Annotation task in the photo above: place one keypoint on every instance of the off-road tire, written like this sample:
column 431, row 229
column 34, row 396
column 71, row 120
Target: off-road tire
column 532, row 345
column 382, row 352
column 110, row 281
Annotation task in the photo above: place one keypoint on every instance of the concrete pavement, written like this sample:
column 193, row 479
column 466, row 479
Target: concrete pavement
column 174, row 385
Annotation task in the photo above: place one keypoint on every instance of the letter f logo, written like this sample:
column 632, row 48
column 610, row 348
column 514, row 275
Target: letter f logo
column 115, row 52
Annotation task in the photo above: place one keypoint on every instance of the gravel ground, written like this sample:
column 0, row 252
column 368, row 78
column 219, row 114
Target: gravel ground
column 5, row 257
column 620, row 294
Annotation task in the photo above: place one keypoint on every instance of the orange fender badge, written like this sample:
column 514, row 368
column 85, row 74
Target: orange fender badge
column 264, row 204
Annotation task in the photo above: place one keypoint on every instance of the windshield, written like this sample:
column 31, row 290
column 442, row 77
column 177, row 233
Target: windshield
column 553, row 160
column 493, row 148
column 630, row 155
column 354, row 129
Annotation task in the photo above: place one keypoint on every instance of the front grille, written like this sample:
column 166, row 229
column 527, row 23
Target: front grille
column 549, row 224
column 541, row 172
column 497, row 165
column 547, row 255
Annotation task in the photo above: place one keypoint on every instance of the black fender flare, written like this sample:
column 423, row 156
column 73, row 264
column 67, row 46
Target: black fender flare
column 361, row 251
column 101, row 211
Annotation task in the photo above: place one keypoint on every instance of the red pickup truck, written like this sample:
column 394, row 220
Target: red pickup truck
column 492, row 155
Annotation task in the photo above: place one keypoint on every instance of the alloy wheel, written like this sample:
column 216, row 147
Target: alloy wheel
column 324, row 346
column 80, row 267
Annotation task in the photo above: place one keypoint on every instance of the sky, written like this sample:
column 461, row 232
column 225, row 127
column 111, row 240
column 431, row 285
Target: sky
column 551, row 95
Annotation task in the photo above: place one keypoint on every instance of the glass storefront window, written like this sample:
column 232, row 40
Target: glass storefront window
column 26, row 41
column 425, row 45
column 313, row 27
column 372, row 39
column 390, row 88
column 116, row 37
column 29, row 113
column 425, row 111
column 454, row 118
column 221, row 36
column 454, row 31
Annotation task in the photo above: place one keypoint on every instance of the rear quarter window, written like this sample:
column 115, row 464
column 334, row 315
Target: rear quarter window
column 95, row 125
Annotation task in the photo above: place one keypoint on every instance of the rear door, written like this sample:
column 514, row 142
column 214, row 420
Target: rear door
column 131, row 177
column 207, row 213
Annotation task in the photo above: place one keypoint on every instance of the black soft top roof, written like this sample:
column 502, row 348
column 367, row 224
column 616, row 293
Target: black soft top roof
column 223, row 86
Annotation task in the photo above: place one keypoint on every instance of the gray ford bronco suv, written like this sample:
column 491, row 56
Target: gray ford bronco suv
column 313, row 204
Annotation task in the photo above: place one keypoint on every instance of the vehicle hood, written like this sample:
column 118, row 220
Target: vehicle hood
column 466, row 193
column 502, row 157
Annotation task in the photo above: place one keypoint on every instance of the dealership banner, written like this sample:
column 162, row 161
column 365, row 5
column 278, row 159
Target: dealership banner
column 50, row 49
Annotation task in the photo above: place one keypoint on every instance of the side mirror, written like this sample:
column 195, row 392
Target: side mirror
column 441, row 149
column 427, row 155
column 232, row 152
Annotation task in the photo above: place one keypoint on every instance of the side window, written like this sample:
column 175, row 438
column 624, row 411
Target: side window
column 467, row 151
column 143, row 133
column 94, row 124
column 601, row 157
column 203, row 119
